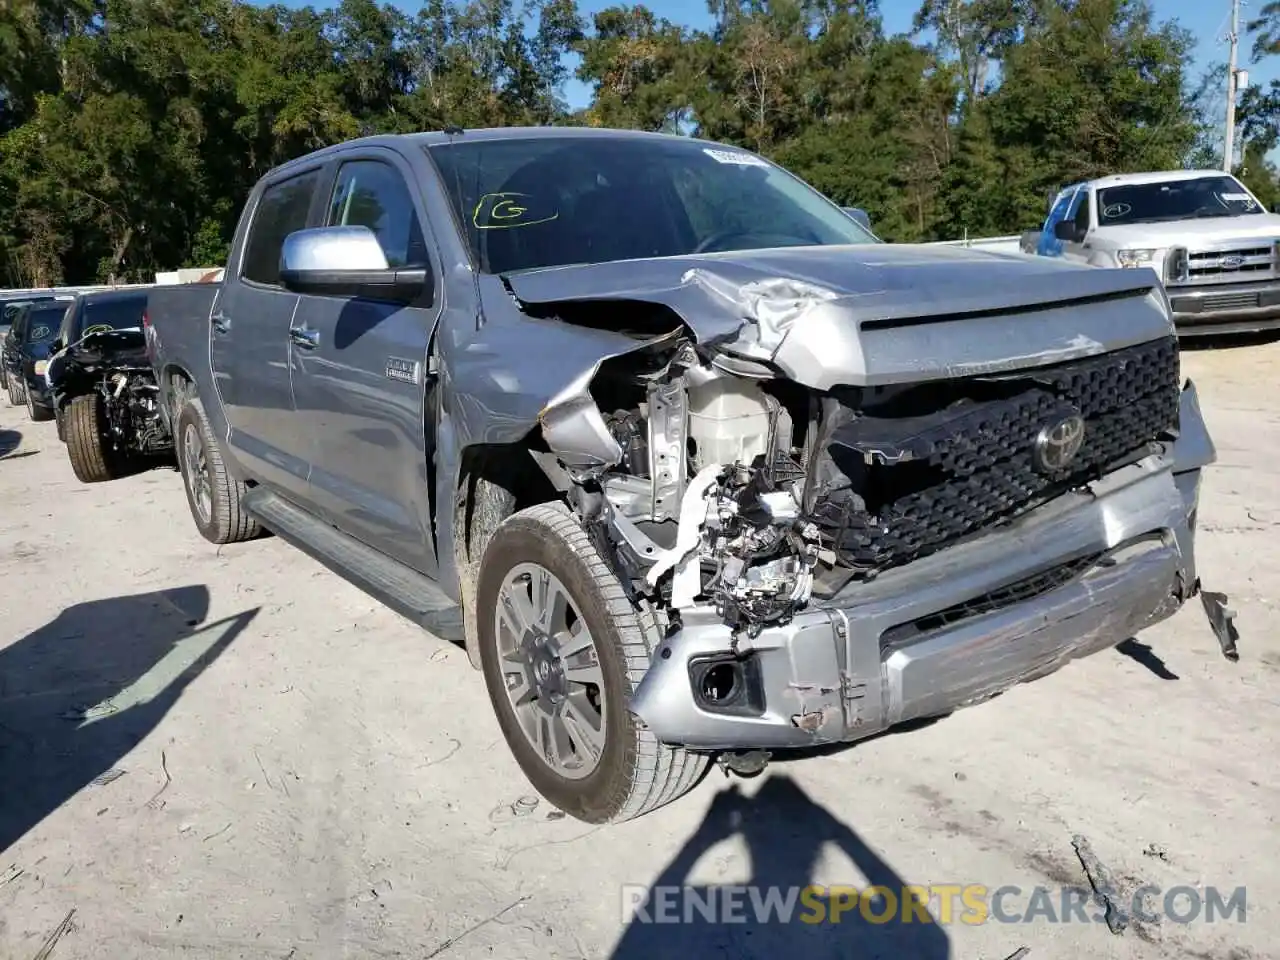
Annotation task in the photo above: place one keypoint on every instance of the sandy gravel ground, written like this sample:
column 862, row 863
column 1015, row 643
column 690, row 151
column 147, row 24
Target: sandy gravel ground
column 234, row 753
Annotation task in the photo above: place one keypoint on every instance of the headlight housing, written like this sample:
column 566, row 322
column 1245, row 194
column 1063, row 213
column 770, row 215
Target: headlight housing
column 1135, row 258
column 41, row 367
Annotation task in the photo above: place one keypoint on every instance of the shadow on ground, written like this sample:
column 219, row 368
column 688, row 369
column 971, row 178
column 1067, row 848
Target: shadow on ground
column 1223, row 341
column 784, row 833
column 78, row 694
column 1144, row 654
column 9, row 441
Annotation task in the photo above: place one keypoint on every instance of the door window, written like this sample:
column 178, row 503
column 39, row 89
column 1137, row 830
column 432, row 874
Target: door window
column 1081, row 217
column 373, row 194
column 1059, row 208
column 282, row 209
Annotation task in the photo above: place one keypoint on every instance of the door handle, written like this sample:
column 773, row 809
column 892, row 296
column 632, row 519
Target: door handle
column 305, row 337
column 221, row 322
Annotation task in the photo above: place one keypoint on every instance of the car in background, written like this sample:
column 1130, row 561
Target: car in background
column 1213, row 244
column 35, row 328
column 9, row 305
column 102, row 388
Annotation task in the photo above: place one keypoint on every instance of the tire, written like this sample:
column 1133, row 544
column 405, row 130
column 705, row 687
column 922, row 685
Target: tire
column 17, row 393
column 61, row 419
column 214, row 496
column 634, row 773
column 38, row 412
column 91, row 459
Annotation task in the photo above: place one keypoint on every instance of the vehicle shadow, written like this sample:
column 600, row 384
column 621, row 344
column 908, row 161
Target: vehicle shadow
column 1222, row 341
column 9, row 441
column 784, row 832
column 79, row 693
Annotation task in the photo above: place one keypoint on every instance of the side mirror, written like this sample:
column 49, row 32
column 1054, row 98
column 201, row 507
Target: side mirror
column 347, row 262
column 859, row 215
column 1066, row 230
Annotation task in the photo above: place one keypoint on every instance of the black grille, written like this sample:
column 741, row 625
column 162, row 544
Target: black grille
column 913, row 485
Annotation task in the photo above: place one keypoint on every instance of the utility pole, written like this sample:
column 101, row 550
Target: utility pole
column 1228, row 144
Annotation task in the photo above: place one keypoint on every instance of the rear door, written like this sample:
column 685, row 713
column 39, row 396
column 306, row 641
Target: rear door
column 250, row 347
column 363, row 388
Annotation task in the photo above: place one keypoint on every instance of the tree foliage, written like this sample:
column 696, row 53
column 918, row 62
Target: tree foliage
column 132, row 130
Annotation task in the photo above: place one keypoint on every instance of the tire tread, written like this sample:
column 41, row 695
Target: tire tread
column 90, row 460
column 230, row 521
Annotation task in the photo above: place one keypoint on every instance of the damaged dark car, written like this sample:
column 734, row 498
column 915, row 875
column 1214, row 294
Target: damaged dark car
column 696, row 468
column 103, row 390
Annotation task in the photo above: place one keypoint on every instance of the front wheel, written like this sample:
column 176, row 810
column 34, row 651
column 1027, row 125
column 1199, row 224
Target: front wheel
column 17, row 395
column 93, row 459
column 38, row 412
column 563, row 650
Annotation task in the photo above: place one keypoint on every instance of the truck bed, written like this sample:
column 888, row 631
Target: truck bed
column 177, row 328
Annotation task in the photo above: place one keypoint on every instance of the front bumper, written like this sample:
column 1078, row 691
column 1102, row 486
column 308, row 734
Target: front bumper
column 1226, row 308
column 1076, row 576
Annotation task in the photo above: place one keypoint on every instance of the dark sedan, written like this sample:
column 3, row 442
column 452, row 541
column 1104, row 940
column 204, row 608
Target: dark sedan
column 35, row 327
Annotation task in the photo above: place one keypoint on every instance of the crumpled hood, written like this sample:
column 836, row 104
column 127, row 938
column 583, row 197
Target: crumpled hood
column 877, row 313
column 102, row 349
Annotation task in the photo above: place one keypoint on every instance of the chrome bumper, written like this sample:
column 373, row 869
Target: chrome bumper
column 1216, row 309
column 952, row 628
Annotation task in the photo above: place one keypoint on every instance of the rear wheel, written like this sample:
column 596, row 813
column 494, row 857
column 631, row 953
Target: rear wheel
column 562, row 650
column 213, row 494
column 92, row 458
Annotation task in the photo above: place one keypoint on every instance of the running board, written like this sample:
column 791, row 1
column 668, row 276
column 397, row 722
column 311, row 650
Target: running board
column 407, row 592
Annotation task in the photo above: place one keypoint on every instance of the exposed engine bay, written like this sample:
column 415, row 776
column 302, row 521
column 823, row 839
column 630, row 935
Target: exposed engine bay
column 718, row 482
column 113, row 364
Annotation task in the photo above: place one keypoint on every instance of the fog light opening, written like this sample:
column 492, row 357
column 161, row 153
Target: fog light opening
column 721, row 683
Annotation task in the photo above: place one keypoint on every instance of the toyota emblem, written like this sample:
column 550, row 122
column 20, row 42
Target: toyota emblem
column 1058, row 443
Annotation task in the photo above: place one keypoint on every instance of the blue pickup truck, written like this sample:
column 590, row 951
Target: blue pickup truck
column 694, row 467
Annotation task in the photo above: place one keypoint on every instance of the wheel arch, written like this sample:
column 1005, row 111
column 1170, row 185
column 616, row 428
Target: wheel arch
column 493, row 481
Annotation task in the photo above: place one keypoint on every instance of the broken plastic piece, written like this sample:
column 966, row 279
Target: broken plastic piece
column 1222, row 620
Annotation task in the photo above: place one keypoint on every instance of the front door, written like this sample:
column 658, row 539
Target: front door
column 251, row 348
column 364, row 388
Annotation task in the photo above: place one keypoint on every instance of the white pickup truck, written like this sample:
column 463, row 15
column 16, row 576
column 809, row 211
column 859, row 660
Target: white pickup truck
column 1214, row 245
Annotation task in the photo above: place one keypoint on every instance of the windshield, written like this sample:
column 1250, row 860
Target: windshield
column 543, row 202
column 1168, row 200
column 116, row 313
column 42, row 324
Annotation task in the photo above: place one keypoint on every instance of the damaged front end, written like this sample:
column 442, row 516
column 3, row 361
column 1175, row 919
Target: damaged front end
column 834, row 554
column 111, row 365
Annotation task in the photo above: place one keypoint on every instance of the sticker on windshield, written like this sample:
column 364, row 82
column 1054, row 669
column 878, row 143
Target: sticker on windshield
column 1244, row 198
column 734, row 157
column 40, row 333
column 498, row 211
column 1113, row 210
column 98, row 328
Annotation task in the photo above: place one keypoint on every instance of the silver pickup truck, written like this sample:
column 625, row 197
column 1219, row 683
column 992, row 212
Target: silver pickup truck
column 694, row 467
column 1214, row 245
